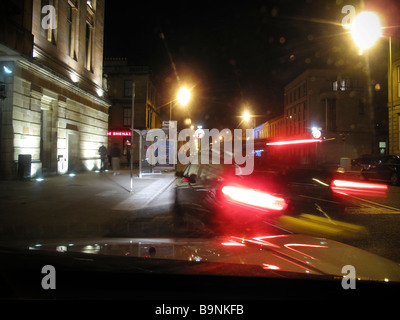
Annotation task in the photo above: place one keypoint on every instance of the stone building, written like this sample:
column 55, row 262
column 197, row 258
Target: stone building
column 394, row 94
column 336, row 104
column 53, row 112
column 120, row 78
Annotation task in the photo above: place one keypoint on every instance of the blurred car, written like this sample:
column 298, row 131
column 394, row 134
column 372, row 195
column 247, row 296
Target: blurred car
column 214, row 193
column 210, row 191
column 279, row 185
column 385, row 168
column 364, row 161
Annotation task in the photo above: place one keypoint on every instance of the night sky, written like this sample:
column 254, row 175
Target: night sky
column 233, row 53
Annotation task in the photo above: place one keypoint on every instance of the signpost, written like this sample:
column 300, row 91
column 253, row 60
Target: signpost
column 132, row 130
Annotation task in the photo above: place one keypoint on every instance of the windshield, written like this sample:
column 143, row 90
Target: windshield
column 257, row 137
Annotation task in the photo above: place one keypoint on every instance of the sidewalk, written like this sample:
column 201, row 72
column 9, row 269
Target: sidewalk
column 87, row 204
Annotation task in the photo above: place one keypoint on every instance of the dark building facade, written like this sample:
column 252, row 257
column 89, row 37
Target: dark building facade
column 334, row 103
column 120, row 79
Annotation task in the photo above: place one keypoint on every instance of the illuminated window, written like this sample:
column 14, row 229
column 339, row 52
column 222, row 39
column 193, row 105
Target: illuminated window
column 89, row 46
column 89, row 39
column 72, row 13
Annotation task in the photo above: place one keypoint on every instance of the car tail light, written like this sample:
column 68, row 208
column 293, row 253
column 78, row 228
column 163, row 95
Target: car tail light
column 344, row 186
column 254, row 198
column 289, row 142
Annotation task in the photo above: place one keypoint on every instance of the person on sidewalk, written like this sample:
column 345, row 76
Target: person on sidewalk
column 115, row 158
column 127, row 152
column 103, row 157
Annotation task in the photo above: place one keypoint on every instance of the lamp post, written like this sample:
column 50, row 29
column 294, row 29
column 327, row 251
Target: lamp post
column 132, row 131
column 183, row 98
column 366, row 30
column 391, row 95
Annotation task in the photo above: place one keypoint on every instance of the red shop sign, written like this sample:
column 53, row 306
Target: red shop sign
column 119, row 133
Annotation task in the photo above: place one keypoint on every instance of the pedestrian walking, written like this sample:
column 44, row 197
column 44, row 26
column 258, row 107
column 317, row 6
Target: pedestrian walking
column 103, row 158
column 115, row 158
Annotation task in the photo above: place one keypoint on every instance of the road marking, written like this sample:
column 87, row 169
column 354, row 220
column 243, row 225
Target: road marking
column 145, row 196
column 300, row 195
column 375, row 204
column 369, row 207
column 369, row 210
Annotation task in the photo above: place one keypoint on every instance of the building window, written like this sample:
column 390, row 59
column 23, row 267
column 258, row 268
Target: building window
column 91, row 4
column 396, row 135
column 89, row 46
column 72, row 29
column 398, row 81
column 89, row 41
column 128, row 88
column 330, row 105
column 48, row 20
column 346, row 84
column 127, row 121
column 148, row 117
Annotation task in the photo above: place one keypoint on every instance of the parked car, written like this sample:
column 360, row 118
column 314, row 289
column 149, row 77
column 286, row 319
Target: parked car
column 385, row 168
column 364, row 161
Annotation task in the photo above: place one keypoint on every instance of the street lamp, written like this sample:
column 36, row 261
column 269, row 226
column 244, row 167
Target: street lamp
column 247, row 117
column 183, row 96
column 183, row 99
column 366, row 30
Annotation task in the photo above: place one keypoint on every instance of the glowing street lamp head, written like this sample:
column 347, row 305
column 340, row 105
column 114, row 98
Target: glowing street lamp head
column 366, row 29
column 183, row 96
column 246, row 116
